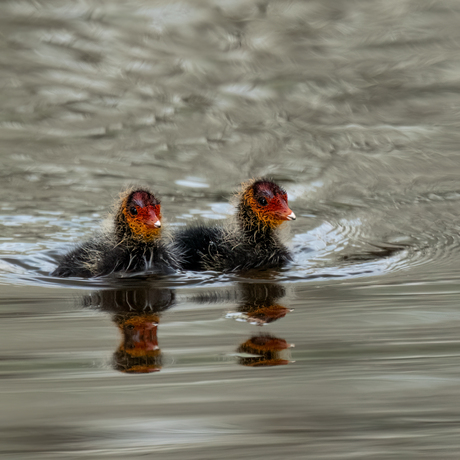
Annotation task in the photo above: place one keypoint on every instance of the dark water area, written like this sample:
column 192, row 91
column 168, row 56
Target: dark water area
column 352, row 351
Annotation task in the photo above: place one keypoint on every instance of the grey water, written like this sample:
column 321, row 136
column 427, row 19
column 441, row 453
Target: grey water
column 352, row 351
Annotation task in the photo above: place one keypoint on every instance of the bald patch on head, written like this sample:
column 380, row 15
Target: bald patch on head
column 142, row 198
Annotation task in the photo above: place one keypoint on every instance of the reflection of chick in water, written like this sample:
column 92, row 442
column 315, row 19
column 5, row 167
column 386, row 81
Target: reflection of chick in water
column 139, row 351
column 137, row 314
column 264, row 350
column 259, row 303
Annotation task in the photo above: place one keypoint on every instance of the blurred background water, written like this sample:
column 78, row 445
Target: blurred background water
column 353, row 106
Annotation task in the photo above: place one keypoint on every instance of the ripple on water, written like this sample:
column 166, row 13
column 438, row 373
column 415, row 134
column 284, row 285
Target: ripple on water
column 329, row 250
column 345, row 242
column 193, row 98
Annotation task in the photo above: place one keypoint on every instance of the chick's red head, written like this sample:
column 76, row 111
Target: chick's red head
column 269, row 203
column 142, row 212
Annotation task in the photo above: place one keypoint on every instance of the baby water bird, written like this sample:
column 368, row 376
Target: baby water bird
column 252, row 241
column 133, row 244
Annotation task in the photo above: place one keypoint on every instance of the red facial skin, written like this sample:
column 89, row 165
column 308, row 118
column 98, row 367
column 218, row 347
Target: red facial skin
column 269, row 203
column 143, row 215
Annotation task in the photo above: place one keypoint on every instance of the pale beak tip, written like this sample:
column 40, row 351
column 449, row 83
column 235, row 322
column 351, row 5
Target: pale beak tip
column 157, row 224
column 291, row 216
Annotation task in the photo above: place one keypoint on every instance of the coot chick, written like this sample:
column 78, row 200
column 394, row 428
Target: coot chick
column 133, row 244
column 251, row 242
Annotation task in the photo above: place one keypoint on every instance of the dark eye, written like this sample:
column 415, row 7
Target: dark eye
column 133, row 211
column 262, row 201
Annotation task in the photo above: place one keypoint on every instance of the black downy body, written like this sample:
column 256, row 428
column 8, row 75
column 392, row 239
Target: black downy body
column 248, row 243
column 120, row 250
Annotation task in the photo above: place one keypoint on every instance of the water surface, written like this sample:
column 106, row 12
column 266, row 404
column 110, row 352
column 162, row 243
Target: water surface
column 350, row 352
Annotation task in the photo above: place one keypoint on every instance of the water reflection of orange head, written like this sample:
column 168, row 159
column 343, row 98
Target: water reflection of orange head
column 139, row 351
column 259, row 302
column 137, row 315
column 264, row 350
